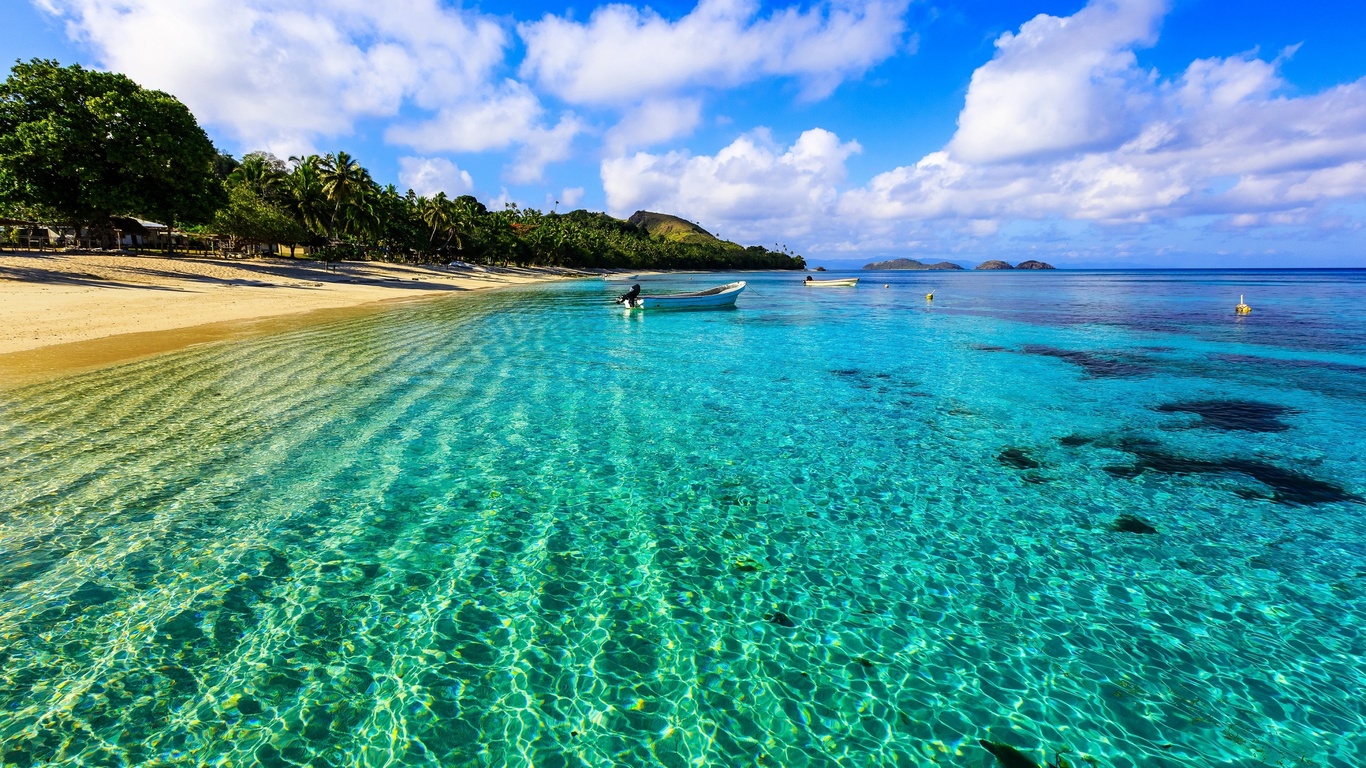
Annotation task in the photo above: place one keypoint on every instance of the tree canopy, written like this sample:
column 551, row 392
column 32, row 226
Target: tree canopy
column 336, row 206
column 250, row 220
column 79, row 146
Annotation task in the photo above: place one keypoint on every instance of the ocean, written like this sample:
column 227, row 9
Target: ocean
column 1093, row 515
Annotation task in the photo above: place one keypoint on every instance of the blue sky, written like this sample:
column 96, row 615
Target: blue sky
column 1109, row 133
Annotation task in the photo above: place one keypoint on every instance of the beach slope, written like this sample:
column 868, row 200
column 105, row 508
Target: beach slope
column 72, row 300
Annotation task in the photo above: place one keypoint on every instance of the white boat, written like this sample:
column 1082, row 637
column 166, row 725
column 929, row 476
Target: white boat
column 720, row 296
column 620, row 278
column 844, row 282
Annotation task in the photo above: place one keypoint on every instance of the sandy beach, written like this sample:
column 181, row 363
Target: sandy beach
column 72, row 311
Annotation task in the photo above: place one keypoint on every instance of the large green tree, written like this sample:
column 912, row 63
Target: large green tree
column 79, row 146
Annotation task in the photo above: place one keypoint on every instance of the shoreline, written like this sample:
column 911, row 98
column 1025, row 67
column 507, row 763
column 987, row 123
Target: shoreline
column 66, row 313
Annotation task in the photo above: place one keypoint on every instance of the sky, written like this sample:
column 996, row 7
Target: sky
column 1111, row 133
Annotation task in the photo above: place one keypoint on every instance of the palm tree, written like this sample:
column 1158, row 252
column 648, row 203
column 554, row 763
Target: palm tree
column 304, row 196
column 263, row 172
column 360, row 213
column 342, row 180
column 397, row 221
column 465, row 212
column 436, row 213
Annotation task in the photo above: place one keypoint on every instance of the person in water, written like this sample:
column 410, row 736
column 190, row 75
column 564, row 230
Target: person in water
column 629, row 296
column 808, row 278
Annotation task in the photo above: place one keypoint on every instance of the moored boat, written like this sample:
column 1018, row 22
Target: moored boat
column 845, row 282
column 720, row 296
column 620, row 278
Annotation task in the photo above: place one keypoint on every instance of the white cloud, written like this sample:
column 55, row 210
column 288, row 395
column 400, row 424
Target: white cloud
column 653, row 122
column 428, row 175
column 1060, row 85
column 623, row 52
column 512, row 116
column 543, row 146
column 283, row 74
column 570, row 196
column 1062, row 123
column 495, row 122
column 752, row 181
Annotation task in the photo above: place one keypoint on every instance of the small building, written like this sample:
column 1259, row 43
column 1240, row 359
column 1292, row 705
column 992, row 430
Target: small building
column 27, row 235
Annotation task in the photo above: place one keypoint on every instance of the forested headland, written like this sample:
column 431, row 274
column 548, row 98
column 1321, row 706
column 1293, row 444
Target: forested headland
column 82, row 150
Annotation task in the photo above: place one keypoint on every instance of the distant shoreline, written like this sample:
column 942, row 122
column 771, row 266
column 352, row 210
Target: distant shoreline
column 1107, row 269
column 63, row 313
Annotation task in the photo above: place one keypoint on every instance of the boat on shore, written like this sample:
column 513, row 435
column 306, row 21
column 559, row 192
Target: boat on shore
column 844, row 282
column 620, row 278
column 720, row 296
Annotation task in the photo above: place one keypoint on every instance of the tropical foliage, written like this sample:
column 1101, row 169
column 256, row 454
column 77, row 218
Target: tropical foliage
column 249, row 219
column 339, row 211
column 79, row 147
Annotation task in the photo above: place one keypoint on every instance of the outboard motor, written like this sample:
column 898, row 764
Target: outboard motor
column 629, row 296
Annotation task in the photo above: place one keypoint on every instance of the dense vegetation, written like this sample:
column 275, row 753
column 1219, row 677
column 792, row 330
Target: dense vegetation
column 78, row 148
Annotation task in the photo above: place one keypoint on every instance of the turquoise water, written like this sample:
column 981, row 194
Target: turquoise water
column 827, row 528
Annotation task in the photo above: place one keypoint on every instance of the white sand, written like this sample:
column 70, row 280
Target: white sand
column 63, row 299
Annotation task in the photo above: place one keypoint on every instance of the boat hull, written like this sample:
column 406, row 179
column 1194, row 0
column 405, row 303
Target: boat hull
column 846, row 283
column 706, row 299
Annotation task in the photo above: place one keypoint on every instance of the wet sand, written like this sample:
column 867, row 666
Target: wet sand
column 60, row 313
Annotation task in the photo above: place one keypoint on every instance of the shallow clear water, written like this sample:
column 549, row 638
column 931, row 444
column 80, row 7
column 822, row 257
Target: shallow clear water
column 830, row 527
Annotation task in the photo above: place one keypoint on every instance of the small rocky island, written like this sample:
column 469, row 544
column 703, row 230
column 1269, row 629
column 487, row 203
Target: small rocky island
column 993, row 264
column 910, row 264
column 997, row 264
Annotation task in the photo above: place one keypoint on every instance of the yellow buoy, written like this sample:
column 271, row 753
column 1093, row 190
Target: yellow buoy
column 929, row 296
column 1242, row 308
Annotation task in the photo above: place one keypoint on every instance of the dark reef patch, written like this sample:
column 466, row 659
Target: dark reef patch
column 1234, row 415
column 1006, row 755
column 1073, row 441
column 1017, row 458
column 181, row 628
column 988, row 348
column 1287, row 486
column 89, row 595
column 1127, row 523
column 781, row 619
column 745, row 564
column 1108, row 365
column 881, row 382
column 1275, row 362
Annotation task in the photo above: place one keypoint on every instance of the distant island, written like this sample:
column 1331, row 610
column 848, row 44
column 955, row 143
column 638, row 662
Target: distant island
column 910, row 264
column 1031, row 264
column 993, row 264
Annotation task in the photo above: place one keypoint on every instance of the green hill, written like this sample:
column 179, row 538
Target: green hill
column 675, row 229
